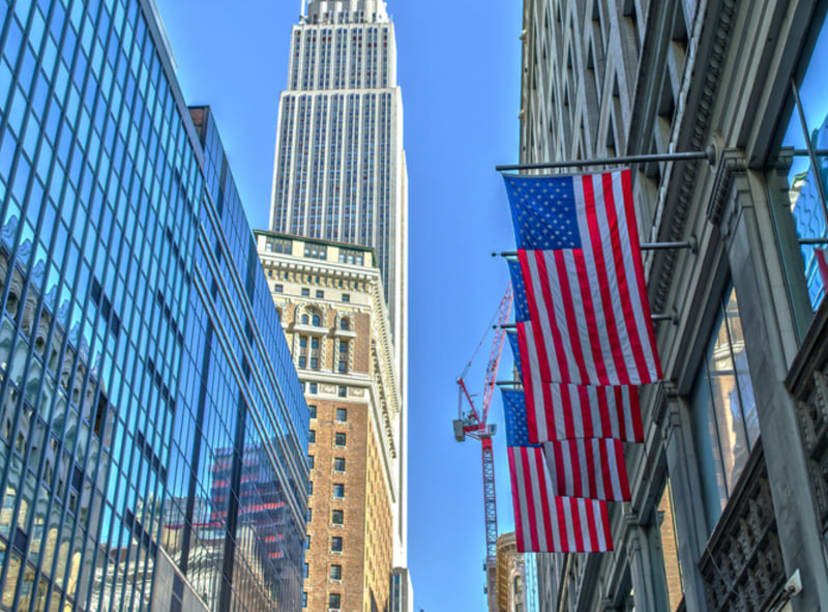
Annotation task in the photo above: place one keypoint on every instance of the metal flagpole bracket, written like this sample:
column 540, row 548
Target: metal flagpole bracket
column 673, row 317
column 813, row 241
column 710, row 154
column 509, row 383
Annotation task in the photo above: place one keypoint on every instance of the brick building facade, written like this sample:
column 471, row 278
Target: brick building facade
column 329, row 297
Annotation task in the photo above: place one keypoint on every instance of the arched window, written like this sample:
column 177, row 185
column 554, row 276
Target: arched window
column 305, row 319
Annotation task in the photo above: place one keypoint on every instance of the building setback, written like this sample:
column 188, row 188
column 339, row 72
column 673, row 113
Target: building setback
column 329, row 296
column 729, row 496
column 339, row 169
column 153, row 432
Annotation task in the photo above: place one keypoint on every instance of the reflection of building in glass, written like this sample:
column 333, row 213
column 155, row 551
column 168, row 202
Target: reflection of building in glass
column 809, row 215
column 137, row 337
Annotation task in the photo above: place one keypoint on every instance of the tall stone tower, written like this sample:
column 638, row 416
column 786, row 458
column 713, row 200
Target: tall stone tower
column 339, row 169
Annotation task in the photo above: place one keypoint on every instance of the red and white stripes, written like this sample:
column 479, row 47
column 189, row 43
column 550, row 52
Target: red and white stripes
column 589, row 308
column 570, row 412
column 548, row 523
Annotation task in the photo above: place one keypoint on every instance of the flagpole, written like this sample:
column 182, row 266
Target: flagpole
column 645, row 246
column 709, row 154
column 654, row 317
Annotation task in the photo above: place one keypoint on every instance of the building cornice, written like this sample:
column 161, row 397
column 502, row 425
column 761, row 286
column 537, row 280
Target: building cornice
column 703, row 71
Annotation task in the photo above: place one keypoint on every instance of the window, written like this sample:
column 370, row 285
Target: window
column 314, row 387
column 278, row 245
column 311, row 461
column 304, row 599
column 306, row 571
column 317, row 320
column 342, row 366
column 346, row 297
column 316, row 251
column 336, row 544
column 351, row 256
column 314, row 343
column 303, row 340
column 725, row 423
column 337, row 517
column 344, row 324
column 340, row 438
column 305, row 319
column 336, row 572
column 305, row 293
column 310, row 487
column 307, row 543
column 801, row 196
column 312, row 436
column 339, row 490
column 333, row 601
column 312, row 411
column 339, row 464
column 320, row 294
column 310, row 515
column 314, row 363
column 342, row 415
column 343, row 391
column 303, row 361
column 279, row 288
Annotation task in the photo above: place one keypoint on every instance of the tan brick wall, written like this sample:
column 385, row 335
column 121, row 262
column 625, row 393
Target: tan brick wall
column 319, row 557
column 670, row 551
column 378, row 530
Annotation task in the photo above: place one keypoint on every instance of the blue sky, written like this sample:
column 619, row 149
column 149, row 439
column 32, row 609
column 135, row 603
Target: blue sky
column 459, row 65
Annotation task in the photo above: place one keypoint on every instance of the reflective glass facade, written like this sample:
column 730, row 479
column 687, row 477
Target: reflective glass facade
column 153, row 433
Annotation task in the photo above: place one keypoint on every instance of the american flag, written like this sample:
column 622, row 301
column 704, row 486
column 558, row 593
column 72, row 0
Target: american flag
column 545, row 522
column 589, row 468
column 571, row 412
column 581, row 262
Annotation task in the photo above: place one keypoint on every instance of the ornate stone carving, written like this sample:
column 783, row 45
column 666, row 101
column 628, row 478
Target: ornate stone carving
column 742, row 566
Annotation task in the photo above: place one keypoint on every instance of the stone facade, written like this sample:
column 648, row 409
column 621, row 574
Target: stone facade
column 329, row 298
column 737, row 429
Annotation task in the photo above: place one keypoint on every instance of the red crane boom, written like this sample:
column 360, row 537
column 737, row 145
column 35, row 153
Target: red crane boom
column 474, row 425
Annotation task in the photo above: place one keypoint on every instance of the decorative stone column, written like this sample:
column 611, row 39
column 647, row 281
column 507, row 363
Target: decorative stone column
column 740, row 209
column 645, row 566
column 688, row 509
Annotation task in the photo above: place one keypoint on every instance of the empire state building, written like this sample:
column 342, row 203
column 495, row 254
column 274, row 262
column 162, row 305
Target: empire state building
column 340, row 171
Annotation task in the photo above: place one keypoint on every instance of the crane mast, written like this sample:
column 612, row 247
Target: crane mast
column 473, row 424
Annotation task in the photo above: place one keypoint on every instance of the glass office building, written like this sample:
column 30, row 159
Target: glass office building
column 153, row 432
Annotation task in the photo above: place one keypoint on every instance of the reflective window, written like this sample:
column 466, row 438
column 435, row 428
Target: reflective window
column 725, row 422
column 798, row 182
column 334, row 601
column 340, row 438
column 336, row 544
column 339, row 490
column 337, row 517
column 339, row 464
column 342, row 414
column 336, row 572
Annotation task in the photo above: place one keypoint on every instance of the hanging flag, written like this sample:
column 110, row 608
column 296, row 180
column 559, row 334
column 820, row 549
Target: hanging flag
column 578, row 468
column 588, row 468
column 581, row 262
column 533, row 360
column 548, row 523
column 569, row 412
column 545, row 522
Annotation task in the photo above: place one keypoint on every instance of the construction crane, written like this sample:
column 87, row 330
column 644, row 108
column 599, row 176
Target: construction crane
column 473, row 424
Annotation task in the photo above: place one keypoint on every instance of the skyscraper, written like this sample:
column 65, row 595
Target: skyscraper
column 339, row 170
column 153, row 432
column 336, row 325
